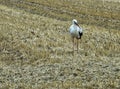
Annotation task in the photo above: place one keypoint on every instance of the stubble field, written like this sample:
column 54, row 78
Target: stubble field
column 36, row 47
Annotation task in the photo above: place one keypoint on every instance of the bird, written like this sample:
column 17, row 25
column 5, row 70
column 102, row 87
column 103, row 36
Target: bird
column 76, row 32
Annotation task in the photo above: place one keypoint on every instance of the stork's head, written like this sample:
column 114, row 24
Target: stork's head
column 74, row 21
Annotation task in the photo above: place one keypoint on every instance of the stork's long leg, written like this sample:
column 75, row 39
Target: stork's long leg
column 77, row 45
column 73, row 43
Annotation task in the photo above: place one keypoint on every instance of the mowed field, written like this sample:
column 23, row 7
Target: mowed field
column 36, row 47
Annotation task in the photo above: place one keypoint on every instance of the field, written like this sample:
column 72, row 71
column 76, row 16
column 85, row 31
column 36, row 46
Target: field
column 36, row 47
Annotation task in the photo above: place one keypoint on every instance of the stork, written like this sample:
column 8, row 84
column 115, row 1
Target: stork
column 76, row 32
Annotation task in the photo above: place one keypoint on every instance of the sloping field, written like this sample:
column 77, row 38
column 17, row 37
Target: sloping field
column 86, row 11
column 112, row 0
column 36, row 52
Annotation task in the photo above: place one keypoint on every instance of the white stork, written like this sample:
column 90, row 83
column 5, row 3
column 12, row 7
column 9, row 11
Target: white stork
column 76, row 32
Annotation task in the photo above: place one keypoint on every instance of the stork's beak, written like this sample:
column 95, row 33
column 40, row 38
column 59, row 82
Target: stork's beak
column 76, row 24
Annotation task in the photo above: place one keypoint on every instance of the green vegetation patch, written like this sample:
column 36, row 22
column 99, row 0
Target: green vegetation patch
column 87, row 12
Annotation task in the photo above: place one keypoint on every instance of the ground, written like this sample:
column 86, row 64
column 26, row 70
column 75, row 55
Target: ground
column 36, row 48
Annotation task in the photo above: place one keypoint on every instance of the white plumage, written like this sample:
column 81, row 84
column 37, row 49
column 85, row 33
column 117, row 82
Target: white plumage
column 75, row 31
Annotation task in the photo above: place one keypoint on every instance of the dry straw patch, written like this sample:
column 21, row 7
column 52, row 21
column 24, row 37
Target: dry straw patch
column 36, row 53
column 86, row 11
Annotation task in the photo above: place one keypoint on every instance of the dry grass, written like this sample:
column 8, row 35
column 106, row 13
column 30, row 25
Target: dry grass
column 36, row 53
column 86, row 11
